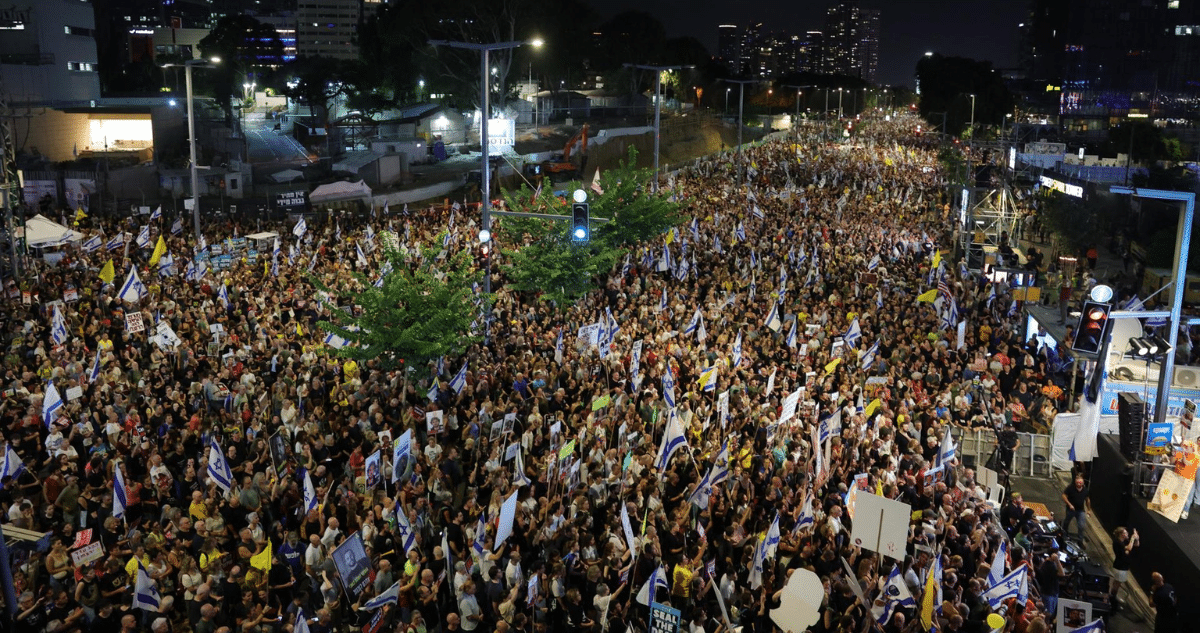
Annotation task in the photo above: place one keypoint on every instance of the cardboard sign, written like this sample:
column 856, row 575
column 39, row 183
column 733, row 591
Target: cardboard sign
column 664, row 619
column 87, row 553
column 70, row 295
column 82, row 537
column 74, row 393
column 881, row 525
column 134, row 323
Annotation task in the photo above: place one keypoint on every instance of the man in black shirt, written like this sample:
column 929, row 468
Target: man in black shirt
column 1075, row 497
column 1166, row 610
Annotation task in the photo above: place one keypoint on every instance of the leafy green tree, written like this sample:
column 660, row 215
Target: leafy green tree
column 423, row 310
column 248, row 50
column 318, row 81
column 540, row 255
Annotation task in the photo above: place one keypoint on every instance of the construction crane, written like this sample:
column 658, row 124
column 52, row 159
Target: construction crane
column 561, row 167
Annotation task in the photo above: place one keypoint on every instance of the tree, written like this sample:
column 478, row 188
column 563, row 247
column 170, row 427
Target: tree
column 946, row 84
column 423, row 310
column 248, row 50
column 541, row 255
column 318, row 81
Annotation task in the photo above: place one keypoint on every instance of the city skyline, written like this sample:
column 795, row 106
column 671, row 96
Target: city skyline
column 981, row 29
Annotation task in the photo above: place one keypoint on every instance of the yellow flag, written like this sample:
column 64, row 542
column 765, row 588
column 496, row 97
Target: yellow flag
column 108, row 272
column 927, row 600
column 937, row 257
column 262, row 560
column 887, row 161
column 160, row 249
column 299, row 332
column 79, row 214
column 670, row 236
column 929, row 296
column 879, row 487
column 832, row 365
column 872, row 407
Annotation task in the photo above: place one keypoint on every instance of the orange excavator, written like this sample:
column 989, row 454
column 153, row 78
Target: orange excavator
column 561, row 167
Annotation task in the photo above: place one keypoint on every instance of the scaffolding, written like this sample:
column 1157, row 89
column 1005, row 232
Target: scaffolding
column 987, row 214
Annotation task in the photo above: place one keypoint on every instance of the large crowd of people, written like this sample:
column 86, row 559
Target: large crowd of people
column 797, row 360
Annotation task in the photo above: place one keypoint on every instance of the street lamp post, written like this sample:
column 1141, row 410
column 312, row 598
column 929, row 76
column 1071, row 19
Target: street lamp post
column 485, row 111
column 727, row 101
column 741, row 103
column 658, row 71
column 191, row 120
column 972, row 119
column 799, row 91
column 840, row 114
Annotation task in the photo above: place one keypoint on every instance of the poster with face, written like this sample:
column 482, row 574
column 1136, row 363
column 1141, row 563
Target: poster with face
column 374, row 469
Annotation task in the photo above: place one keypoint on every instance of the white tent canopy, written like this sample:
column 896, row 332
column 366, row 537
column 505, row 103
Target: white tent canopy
column 42, row 232
column 338, row 191
column 286, row 175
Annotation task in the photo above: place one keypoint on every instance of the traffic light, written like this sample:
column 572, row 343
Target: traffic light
column 580, row 229
column 1093, row 324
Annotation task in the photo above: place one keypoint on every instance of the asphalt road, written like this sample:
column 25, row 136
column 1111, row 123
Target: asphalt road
column 265, row 145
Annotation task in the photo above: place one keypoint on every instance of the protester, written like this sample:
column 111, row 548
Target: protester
column 233, row 468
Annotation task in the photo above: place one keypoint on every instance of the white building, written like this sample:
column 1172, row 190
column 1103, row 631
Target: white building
column 327, row 28
column 48, row 53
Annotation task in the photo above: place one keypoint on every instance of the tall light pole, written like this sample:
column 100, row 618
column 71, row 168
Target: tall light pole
column 840, row 104
column 727, row 101
column 658, row 71
column 484, row 112
column 741, row 103
column 972, row 119
column 191, row 119
column 799, row 91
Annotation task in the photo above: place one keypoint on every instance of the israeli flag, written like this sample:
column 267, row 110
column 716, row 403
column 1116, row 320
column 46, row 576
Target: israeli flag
column 802, row 256
column 58, row 327
column 1008, row 587
column 94, row 373
column 758, row 213
column 1095, row 626
column 879, row 299
column 177, row 227
column 716, row 474
column 434, row 390
column 310, row 493
column 737, row 350
column 301, row 625
column 807, row 516
column 672, row 440
column 853, row 335
column 300, row 228
column 771, row 542
column 133, row 290
column 361, row 258
column 404, row 530
column 558, row 348
column 753, row 259
column 460, row 379
column 668, row 387
column 120, row 496
column 143, row 238
column 655, row 583
column 218, row 467
column 773, row 322
column 869, row 356
column 791, row 336
column 717, row 245
column 51, row 403
column 145, row 594
column 665, row 262
column 662, row 301
column 708, row 379
column 519, row 477
column 759, row 563
column 681, row 271
column 223, row 295
column 874, row 263
column 948, row 449
column 999, row 565
column 695, row 229
column 626, row 267
column 895, row 596
column 740, row 232
column 157, row 213
column 93, row 244
column 12, row 466
column 391, row 596
column 115, row 242
column 692, row 325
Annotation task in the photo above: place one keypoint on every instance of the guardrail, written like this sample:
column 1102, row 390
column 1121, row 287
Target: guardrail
column 1032, row 458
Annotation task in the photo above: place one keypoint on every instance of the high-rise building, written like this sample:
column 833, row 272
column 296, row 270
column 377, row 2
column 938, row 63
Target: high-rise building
column 285, row 27
column 852, row 40
column 729, row 47
column 810, row 54
column 48, row 53
column 327, row 28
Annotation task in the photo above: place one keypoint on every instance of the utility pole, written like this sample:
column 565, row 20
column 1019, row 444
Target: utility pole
column 799, row 90
column 1129, row 156
column 741, row 103
column 658, row 71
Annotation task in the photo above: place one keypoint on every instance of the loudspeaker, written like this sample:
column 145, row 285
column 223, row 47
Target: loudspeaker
column 1131, row 424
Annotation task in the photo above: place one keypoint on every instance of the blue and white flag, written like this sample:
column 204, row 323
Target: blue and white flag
column 895, row 596
column 94, row 372
column 177, row 227
column 120, row 493
column 696, row 229
column 716, row 474
column 655, row 583
column 218, row 467
column 999, row 565
column 93, row 244
column 12, row 466
column 300, row 228
column 143, row 238
column 771, row 542
column 361, row 257
column 145, row 593
column 335, row 341
column 301, row 625
column 708, row 379
column 133, row 290
column 662, row 301
column 668, row 388
column 389, row 596
column 753, row 259
column 460, row 379
column 672, row 440
column 116, row 242
column 51, row 403
column 58, row 327
column 773, row 323
column 157, row 213
column 1008, row 587
column 869, row 356
column 1095, row 626
column 874, row 263
column 791, row 335
column 558, row 348
column 223, row 295
column 310, row 493
column 948, row 449
column 434, row 390
column 740, row 232
column 692, row 325
column 404, row 530
column 758, row 213
column 853, row 335
column 737, row 350
column 626, row 267
column 519, row 476
column 757, row 565
column 807, row 516
column 717, row 245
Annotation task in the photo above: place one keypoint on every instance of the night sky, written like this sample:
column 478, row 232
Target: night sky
column 980, row 29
